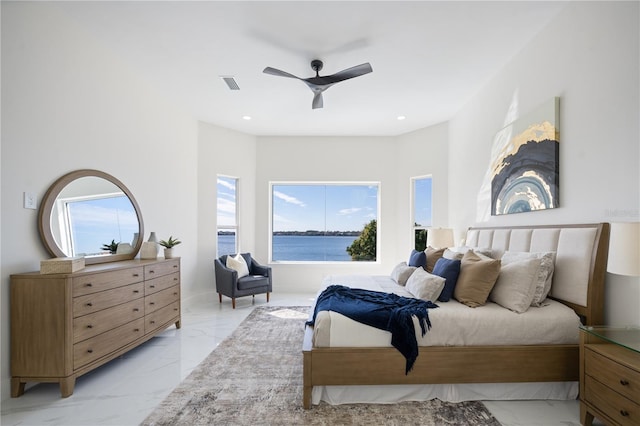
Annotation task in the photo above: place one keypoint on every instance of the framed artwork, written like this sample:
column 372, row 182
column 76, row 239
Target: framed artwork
column 525, row 172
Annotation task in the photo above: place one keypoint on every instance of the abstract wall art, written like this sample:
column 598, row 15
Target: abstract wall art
column 525, row 172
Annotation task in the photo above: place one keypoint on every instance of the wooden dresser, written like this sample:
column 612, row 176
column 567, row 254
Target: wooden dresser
column 65, row 325
column 610, row 375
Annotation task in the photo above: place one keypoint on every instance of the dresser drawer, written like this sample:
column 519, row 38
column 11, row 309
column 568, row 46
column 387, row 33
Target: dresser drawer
column 99, row 346
column 162, row 268
column 170, row 313
column 94, row 302
column 612, row 374
column 161, row 299
column 99, row 322
column 611, row 403
column 161, row 283
column 94, row 283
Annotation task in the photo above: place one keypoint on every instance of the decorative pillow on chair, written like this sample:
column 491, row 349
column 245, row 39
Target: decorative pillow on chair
column 516, row 285
column 417, row 259
column 477, row 278
column 432, row 257
column 239, row 264
column 449, row 270
column 424, row 285
column 402, row 272
column 545, row 271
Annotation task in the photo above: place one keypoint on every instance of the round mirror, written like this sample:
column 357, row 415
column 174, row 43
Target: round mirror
column 92, row 214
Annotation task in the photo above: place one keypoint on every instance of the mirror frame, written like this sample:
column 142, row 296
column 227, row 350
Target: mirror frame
column 46, row 207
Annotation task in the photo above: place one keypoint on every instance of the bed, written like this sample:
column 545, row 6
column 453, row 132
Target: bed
column 536, row 369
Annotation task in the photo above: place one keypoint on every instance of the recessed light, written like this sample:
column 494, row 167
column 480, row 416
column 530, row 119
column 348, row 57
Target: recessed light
column 246, row 117
column 401, row 117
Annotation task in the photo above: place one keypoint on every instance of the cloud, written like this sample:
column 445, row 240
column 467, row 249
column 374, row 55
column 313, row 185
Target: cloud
column 226, row 206
column 227, row 184
column 349, row 211
column 289, row 199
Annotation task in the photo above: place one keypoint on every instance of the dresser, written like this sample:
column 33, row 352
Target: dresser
column 610, row 375
column 65, row 325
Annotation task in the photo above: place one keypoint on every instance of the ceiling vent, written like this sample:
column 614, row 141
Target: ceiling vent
column 230, row 81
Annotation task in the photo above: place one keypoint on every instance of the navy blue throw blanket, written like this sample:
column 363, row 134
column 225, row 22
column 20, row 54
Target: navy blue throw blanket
column 386, row 311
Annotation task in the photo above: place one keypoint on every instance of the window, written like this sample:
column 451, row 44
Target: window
column 420, row 210
column 227, row 189
column 324, row 222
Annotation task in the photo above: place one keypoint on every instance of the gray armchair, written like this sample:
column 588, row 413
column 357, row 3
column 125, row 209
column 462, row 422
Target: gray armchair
column 227, row 282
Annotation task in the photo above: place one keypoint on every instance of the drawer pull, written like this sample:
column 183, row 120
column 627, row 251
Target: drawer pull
column 136, row 275
column 175, row 294
column 152, row 286
column 175, row 279
column 624, row 413
column 624, row 382
column 175, row 266
column 152, row 303
column 91, row 304
column 89, row 326
column 152, row 322
column 175, row 309
column 90, row 351
column 89, row 285
column 136, row 291
column 152, row 271
column 136, row 329
column 135, row 309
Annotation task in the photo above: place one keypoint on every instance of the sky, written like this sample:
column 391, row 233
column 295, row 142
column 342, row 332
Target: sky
column 320, row 207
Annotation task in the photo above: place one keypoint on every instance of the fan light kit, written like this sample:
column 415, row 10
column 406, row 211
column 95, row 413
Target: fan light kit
column 319, row 84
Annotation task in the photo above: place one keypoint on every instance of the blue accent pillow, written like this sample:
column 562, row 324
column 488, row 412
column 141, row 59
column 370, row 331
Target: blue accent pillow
column 417, row 259
column 448, row 269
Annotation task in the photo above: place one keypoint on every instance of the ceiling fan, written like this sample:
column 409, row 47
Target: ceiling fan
column 319, row 84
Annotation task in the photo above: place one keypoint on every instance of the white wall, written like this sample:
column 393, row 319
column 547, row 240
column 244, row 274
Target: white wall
column 69, row 104
column 588, row 56
column 224, row 152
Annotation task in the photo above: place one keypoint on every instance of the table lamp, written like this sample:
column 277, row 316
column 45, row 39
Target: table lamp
column 624, row 249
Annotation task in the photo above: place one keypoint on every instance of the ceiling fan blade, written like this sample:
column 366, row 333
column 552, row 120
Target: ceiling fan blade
column 279, row 73
column 343, row 75
column 317, row 100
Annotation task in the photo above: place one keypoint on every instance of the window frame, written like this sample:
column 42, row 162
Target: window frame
column 377, row 184
column 236, row 227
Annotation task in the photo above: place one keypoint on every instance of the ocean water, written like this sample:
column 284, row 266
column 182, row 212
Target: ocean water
column 300, row 248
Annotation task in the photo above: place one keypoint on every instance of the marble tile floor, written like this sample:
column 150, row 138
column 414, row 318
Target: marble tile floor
column 124, row 391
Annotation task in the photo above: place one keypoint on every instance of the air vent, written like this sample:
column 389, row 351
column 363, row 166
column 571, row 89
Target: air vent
column 231, row 82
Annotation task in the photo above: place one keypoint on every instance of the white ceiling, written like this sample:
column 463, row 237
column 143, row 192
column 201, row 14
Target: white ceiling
column 428, row 57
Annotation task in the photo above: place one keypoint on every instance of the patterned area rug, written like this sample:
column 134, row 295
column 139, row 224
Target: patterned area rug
column 254, row 377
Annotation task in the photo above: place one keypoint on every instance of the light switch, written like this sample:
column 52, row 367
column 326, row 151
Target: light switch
column 30, row 201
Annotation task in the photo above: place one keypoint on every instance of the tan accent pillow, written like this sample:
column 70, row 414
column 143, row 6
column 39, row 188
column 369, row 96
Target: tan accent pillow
column 432, row 257
column 477, row 278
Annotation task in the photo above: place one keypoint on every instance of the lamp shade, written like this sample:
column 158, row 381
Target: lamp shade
column 440, row 237
column 624, row 249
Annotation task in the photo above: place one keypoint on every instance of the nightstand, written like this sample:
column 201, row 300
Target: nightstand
column 610, row 375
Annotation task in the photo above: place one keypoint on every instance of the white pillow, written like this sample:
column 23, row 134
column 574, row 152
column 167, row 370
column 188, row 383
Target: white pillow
column 456, row 253
column 424, row 285
column 239, row 264
column 516, row 285
column 402, row 272
column 545, row 272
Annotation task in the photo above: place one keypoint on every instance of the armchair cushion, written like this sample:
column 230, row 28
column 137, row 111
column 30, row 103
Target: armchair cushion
column 252, row 281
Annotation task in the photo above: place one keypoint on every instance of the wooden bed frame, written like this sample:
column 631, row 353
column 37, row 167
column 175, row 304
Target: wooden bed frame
column 464, row 364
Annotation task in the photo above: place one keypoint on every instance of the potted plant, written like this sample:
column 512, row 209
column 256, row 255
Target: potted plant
column 168, row 246
column 112, row 248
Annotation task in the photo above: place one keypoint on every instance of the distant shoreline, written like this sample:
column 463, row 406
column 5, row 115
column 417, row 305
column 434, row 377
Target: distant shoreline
column 309, row 233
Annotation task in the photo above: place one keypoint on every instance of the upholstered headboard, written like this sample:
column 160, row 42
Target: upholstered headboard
column 581, row 258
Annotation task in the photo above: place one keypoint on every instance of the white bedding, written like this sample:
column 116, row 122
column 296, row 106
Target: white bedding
column 452, row 323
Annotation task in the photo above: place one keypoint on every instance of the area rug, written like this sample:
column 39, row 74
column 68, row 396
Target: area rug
column 254, row 377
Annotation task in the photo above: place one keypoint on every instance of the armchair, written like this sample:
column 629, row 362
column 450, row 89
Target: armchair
column 227, row 282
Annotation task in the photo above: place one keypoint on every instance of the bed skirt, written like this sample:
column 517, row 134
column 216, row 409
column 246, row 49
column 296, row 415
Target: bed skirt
column 391, row 394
